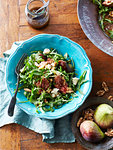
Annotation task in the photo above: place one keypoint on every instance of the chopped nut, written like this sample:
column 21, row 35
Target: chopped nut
column 42, row 65
column 89, row 110
column 109, row 132
column 51, row 80
column 45, row 101
column 53, row 68
column 85, row 116
column 48, row 90
column 105, row 87
column 69, row 90
column 54, row 64
column 88, row 117
column 110, row 98
column 88, row 114
column 79, row 121
column 27, row 90
column 100, row 93
column 111, row 13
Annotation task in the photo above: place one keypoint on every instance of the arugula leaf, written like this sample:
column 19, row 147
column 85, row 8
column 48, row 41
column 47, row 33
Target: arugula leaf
column 82, row 80
column 108, row 20
column 111, row 33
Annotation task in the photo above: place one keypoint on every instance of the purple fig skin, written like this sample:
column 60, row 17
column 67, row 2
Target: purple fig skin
column 91, row 132
column 103, row 116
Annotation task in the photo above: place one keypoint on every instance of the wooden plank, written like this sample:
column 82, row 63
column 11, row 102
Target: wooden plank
column 70, row 31
column 28, row 137
column 27, row 134
column 10, row 137
column 3, row 26
column 38, row 144
column 13, row 24
column 60, row 2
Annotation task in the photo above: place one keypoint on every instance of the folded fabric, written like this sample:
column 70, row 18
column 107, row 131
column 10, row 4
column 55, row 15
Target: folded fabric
column 53, row 131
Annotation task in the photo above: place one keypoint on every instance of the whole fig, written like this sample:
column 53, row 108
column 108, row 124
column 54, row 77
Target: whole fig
column 91, row 132
column 103, row 116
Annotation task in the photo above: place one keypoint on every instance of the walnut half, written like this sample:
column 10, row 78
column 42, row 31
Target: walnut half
column 100, row 93
column 109, row 132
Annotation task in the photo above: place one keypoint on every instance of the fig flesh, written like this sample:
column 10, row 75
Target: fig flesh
column 103, row 116
column 91, row 132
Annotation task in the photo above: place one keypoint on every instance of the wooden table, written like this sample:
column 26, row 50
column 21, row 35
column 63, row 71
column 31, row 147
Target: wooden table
column 63, row 21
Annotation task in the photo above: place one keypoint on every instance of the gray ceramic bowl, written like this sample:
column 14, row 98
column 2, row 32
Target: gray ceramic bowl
column 107, row 142
column 88, row 17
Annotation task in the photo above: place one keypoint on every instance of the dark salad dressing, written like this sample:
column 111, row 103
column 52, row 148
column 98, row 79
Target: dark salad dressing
column 37, row 20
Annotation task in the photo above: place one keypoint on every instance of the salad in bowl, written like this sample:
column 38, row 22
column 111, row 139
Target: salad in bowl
column 56, row 77
column 49, row 79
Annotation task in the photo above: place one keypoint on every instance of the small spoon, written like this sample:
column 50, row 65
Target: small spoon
column 44, row 6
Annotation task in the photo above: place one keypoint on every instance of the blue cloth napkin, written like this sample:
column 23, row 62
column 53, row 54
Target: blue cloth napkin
column 53, row 131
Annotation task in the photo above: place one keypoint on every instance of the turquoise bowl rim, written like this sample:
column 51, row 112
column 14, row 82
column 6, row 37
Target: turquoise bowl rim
column 40, row 115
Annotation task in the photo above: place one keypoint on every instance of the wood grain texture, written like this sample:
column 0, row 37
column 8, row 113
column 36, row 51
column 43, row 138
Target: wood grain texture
column 63, row 21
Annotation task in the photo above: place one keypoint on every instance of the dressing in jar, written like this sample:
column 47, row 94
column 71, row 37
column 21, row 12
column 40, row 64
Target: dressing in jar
column 37, row 13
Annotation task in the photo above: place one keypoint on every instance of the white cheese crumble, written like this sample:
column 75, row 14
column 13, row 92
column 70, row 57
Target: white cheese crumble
column 42, row 65
column 46, row 51
column 55, row 91
column 75, row 80
column 48, row 66
column 21, row 70
column 53, row 64
column 53, row 95
column 36, row 64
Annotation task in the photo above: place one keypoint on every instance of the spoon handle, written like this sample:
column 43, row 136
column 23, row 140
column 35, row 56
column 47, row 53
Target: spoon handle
column 13, row 100
column 45, row 5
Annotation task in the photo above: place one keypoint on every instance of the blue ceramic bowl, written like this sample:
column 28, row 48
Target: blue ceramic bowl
column 63, row 45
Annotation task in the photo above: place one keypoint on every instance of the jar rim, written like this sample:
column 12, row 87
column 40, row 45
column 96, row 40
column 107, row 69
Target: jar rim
column 38, row 14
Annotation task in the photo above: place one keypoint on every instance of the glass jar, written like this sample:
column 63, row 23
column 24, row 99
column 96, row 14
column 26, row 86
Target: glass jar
column 37, row 19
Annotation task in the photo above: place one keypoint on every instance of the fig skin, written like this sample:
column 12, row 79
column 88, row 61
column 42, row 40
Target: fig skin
column 91, row 132
column 103, row 116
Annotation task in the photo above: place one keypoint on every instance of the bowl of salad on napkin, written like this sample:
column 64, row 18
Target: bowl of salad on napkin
column 56, row 77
